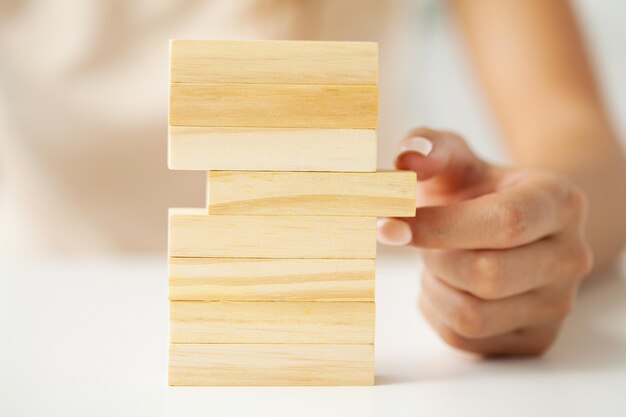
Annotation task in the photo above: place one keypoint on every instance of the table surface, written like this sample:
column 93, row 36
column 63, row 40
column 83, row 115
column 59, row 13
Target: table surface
column 89, row 338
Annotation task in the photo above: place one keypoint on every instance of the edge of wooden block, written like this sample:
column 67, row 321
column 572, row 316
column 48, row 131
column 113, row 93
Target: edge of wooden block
column 198, row 148
column 342, row 106
column 265, row 61
column 270, row 365
column 313, row 280
column 284, row 322
column 292, row 193
column 344, row 237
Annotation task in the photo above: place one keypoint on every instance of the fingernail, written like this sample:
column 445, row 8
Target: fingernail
column 416, row 144
column 393, row 232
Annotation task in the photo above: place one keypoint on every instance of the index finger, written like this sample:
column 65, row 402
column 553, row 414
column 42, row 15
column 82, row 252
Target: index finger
column 509, row 218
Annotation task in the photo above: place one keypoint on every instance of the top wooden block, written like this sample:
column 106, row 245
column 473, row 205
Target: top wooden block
column 273, row 62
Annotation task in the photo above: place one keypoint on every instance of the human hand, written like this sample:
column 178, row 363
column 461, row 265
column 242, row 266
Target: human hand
column 504, row 248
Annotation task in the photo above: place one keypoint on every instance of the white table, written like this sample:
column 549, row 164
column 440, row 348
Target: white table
column 89, row 338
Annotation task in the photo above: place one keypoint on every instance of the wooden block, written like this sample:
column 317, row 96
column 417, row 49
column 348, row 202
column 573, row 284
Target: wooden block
column 272, row 364
column 253, row 149
column 274, row 105
column 250, row 279
column 271, row 322
column 391, row 194
column 273, row 62
column 195, row 234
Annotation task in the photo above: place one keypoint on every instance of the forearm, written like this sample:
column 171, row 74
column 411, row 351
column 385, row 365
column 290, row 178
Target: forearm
column 532, row 63
column 604, row 186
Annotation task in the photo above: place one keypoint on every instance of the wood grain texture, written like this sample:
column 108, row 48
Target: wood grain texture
column 250, row 279
column 282, row 149
column 274, row 105
column 271, row 364
column 195, row 234
column 390, row 194
column 271, row 322
column 273, row 62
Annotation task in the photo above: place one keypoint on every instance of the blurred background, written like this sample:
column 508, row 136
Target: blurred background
column 83, row 102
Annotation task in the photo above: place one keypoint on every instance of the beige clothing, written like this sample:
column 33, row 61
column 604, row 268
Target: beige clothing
column 83, row 102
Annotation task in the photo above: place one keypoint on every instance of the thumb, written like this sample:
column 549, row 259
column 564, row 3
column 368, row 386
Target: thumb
column 441, row 157
column 443, row 163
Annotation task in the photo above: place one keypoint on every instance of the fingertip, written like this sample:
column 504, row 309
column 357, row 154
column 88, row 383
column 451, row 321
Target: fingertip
column 423, row 166
column 418, row 154
column 393, row 232
column 416, row 144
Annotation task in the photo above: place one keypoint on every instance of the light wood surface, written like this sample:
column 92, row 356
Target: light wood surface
column 273, row 105
column 271, row 364
column 250, row 279
column 273, row 282
column 391, row 194
column 273, row 62
column 271, row 322
column 193, row 233
column 271, row 149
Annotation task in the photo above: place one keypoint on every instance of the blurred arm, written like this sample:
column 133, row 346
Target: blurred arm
column 531, row 60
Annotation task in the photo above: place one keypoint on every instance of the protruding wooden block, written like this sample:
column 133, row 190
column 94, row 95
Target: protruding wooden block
column 273, row 62
column 264, row 149
column 271, row 364
column 271, row 322
column 390, row 194
column 195, row 234
column 253, row 279
column 274, row 105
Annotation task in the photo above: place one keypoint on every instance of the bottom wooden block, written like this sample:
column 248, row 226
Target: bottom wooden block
column 271, row 364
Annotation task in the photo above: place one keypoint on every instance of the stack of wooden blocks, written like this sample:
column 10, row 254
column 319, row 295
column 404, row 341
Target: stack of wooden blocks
column 273, row 282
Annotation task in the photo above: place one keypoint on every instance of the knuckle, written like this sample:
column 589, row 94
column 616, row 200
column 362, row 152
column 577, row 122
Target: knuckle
column 468, row 318
column 453, row 339
column 577, row 201
column 584, row 261
column 538, row 349
column 486, row 278
column 578, row 260
column 541, row 344
column 566, row 307
column 513, row 222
